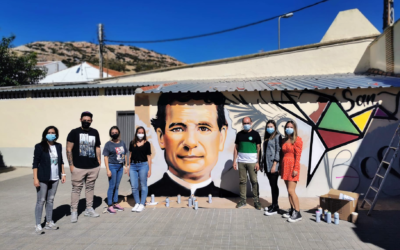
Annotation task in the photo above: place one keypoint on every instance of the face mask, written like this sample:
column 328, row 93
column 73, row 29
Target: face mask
column 289, row 131
column 270, row 130
column 115, row 136
column 85, row 124
column 247, row 127
column 50, row 137
column 140, row 136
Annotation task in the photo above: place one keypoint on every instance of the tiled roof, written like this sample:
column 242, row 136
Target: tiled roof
column 341, row 81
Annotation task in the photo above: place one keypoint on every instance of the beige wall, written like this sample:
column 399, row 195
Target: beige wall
column 23, row 121
column 378, row 53
column 333, row 59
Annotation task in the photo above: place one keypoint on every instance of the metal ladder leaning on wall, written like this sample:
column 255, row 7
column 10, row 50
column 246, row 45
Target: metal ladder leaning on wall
column 377, row 190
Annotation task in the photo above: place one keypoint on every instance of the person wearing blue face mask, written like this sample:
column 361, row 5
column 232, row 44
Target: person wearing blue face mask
column 290, row 169
column 270, row 162
column 48, row 169
column 246, row 159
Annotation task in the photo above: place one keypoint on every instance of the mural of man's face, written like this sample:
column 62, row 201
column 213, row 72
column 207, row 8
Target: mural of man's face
column 192, row 139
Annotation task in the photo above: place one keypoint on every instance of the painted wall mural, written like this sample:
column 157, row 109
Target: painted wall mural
column 345, row 133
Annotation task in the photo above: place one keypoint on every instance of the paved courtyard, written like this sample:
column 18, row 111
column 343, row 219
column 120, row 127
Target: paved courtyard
column 177, row 228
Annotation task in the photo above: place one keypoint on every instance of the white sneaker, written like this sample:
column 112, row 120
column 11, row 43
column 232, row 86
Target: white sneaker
column 134, row 209
column 140, row 208
column 38, row 229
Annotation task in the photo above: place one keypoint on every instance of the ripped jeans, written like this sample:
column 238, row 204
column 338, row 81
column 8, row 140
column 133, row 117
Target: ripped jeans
column 45, row 193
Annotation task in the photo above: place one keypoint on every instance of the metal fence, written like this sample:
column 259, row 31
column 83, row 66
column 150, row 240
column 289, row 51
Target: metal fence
column 126, row 123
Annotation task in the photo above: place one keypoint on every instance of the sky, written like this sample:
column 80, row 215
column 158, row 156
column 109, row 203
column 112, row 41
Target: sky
column 46, row 20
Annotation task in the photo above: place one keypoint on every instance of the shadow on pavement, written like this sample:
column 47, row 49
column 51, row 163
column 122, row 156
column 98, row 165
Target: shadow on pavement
column 6, row 169
column 65, row 210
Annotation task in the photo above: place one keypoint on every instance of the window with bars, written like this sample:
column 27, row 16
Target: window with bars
column 12, row 95
column 119, row 91
column 65, row 93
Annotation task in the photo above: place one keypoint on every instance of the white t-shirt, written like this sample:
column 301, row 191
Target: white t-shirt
column 54, row 163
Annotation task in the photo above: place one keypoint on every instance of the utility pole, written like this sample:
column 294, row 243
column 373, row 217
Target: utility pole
column 388, row 13
column 101, row 38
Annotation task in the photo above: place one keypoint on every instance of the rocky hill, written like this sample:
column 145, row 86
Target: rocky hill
column 122, row 58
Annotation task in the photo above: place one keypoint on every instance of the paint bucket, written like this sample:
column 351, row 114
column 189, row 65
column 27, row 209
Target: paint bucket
column 196, row 205
column 152, row 198
column 179, row 199
column 354, row 217
column 336, row 218
column 329, row 217
column 210, row 198
column 190, row 202
column 318, row 216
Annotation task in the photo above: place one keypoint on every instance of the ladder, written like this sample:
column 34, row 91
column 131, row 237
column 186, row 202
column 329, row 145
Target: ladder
column 379, row 176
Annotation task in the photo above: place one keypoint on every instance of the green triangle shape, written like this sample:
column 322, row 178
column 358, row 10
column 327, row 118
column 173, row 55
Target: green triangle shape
column 335, row 119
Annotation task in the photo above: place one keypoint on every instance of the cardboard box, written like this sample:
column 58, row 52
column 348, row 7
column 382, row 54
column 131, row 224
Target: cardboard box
column 332, row 202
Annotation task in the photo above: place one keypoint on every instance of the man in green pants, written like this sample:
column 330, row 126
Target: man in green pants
column 247, row 152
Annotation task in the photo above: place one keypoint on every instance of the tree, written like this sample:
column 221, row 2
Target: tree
column 18, row 70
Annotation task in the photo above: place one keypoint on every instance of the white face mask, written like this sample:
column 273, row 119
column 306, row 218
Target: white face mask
column 140, row 136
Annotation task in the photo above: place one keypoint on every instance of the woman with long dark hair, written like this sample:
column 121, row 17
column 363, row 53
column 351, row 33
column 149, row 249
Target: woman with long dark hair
column 48, row 169
column 270, row 162
column 291, row 149
column 140, row 169
column 115, row 157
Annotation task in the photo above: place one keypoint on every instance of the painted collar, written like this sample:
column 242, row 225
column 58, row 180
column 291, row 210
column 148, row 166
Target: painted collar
column 192, row 186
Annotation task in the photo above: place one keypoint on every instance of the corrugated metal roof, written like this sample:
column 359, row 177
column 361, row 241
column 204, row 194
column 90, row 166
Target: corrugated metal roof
column 71, row 86
column 340, row 81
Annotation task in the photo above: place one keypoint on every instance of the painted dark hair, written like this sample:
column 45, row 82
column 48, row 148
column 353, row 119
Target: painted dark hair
column 267, row 136
column 165, row 99
column 44, row 143
column 114, row 127
column 136, row 139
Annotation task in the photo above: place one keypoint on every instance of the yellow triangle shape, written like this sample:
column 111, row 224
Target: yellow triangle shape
column 361, row 120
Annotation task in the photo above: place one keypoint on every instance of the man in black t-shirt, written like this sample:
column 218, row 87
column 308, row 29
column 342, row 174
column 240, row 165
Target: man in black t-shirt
column 246, row 153
column 84, row 158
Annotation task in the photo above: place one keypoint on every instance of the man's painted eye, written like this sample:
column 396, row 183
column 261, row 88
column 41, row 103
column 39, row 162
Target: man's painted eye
column 177, row 130
column 204, row 129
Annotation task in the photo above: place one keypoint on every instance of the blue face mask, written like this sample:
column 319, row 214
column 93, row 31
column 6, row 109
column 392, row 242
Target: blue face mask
column 270, row 130
column 50, row 137
column 289, row 131
column 247, row 127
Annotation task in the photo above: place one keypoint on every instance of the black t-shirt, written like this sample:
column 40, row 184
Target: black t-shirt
column 84, row 151
column 247, row 146
column 140, row 153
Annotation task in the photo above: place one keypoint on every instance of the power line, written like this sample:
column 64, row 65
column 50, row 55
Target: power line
column 216, row 32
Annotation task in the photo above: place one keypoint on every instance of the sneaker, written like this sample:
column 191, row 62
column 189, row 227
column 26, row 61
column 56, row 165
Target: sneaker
column 118, row 207
column 296, row 216
column 273, row 210
column 288, row 214
column 38, row 229
column 257, row 205
column 74, row 217
column 51, row 226
column 140, row 208
column 268, row 208
column 111, row 210
column 134, row 209
column 89, row 212
column 241, row 203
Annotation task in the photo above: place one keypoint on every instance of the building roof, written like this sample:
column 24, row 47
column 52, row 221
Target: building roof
column 336, row 81
column 79, row 73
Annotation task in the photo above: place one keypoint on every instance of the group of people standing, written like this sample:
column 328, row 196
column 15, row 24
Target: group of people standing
column 276, row 156
column 84, row 158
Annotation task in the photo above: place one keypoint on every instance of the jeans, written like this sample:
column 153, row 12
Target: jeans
column 79, row 177
column 47, row 189
column 273, row 182
column 113, row 182
column 245, row 168
column 139, row 171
